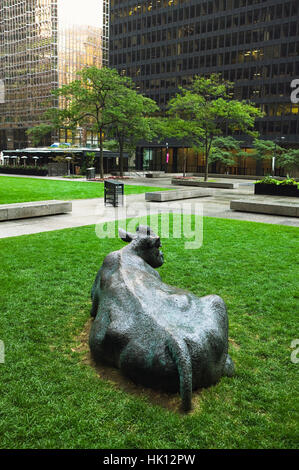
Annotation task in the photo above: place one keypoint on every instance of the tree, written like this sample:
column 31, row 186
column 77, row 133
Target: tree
column 289, row 159
column 37, row 133
column 131, row 121
column 206, row 111
column 89, row 102
column 285, row 157
column 224, row 150
column 174, row 126
column 265, row 149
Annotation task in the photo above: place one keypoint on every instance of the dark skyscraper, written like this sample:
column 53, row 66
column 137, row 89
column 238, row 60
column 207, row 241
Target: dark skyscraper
column 162, row 44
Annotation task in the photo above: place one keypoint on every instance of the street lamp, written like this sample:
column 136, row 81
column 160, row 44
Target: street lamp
column 278, row 139
column 24, row 159
column 68, row 159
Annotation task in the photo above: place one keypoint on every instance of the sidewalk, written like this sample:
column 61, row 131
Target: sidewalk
column 92, row 211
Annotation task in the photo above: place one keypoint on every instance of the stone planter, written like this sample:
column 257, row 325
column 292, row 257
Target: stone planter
column 276, row 190
column 203, row 184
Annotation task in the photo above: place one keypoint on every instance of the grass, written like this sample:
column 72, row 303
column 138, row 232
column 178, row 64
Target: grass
column 14, row 189
column 51, row 398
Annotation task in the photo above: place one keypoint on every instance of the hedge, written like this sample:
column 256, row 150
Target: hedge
column 24, row 170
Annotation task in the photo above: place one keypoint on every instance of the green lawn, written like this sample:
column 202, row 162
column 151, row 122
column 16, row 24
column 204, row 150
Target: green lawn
column 50, row 397
column 16, row 189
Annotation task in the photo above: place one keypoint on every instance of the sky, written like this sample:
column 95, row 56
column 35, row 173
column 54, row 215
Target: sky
column 80, row 12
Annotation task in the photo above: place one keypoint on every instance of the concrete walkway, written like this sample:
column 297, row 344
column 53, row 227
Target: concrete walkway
column 92, row 211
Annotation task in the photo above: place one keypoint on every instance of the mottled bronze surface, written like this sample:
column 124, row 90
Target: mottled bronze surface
column 158, row 335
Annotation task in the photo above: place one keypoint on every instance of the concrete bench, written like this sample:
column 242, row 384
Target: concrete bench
column 287, row 209
column 172, row 195
column 204, row 184
column 24, row 210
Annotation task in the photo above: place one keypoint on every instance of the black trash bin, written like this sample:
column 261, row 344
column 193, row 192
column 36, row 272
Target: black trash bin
column 90, row 173
column 113, row 193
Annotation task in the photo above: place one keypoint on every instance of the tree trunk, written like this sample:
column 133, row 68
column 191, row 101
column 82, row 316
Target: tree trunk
column 206, row 160
column 121, row 160
column 101, row 155
column 84, row 137
column 185, row 159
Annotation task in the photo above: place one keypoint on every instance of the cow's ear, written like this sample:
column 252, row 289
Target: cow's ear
column 158, row 242
column 125, row 236
column 145, row 230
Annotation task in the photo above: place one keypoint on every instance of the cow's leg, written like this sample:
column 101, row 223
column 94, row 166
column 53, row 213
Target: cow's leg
column 229, row 368
column 133, row 364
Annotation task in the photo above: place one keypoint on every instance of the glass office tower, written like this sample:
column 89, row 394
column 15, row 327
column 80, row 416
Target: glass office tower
column 162, row 44
column 43, row 43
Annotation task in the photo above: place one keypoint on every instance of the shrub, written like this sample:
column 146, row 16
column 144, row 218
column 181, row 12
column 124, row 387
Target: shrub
column 290, row 182
column 268, row 180
column 24, row 170
column 285, row 182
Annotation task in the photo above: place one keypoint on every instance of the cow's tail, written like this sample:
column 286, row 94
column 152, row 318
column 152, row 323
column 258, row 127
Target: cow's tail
column 180, row 354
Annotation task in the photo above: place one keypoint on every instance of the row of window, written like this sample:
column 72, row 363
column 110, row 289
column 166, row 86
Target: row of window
column 242, row 18
column 230, row 39
column 208, row 60
column 208, row 6
column 280, row 109
column 278, row 127
column 273, row 71
column 251, row 92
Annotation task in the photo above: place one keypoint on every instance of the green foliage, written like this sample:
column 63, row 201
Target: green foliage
column 224, row 149
column 268, row 180
column 89, row 102
column 111, row 144
column 265, row 149
column 203, row 112
column 87, row 162
column 289, row 159
column 104, row 101
column 37, row 133
column 24, row 170
column 131, row 120
column 289, row 182
column 52, row 397
column 285, row 182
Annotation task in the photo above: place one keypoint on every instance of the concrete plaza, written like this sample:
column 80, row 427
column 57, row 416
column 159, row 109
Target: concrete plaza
column 92, row 211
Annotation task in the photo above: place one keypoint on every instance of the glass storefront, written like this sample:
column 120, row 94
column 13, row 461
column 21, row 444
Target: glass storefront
column 186, row 159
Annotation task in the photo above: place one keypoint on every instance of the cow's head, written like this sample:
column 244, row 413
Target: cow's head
column 146, row 244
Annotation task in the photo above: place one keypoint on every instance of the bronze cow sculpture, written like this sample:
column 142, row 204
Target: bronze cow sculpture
column 158, row 335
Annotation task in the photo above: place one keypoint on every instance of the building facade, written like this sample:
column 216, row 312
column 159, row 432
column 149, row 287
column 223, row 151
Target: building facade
column 162, row 44
column 43, row 43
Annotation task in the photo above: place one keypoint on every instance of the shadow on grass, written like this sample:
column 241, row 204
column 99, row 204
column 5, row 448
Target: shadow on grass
column 114, row 376
column 169, row 401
